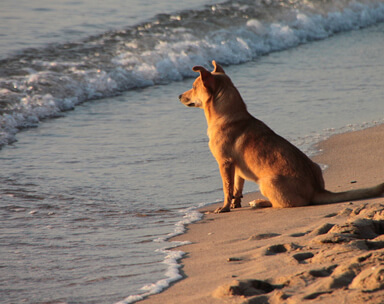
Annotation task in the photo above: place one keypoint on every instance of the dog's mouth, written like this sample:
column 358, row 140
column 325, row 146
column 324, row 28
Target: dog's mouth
column 192, row 104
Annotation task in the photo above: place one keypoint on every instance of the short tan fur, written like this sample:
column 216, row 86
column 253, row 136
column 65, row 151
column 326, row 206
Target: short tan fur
column 246, row 148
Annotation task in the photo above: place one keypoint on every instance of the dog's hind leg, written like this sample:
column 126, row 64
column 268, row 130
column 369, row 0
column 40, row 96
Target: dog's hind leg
column 284, row 192
column 238, row 191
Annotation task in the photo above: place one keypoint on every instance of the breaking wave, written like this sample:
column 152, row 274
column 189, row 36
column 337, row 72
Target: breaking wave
column 37, row 84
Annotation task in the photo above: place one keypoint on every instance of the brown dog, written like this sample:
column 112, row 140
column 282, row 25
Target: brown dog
column 245, row 148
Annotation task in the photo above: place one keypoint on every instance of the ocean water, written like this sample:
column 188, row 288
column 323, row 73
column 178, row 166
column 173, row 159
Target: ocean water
column 101, row 164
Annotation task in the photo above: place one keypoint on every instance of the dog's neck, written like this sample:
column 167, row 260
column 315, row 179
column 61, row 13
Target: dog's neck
column 224, row 108
column 226, row 103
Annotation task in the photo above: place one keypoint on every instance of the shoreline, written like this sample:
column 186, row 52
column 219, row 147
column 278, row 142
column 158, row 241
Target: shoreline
column 301, row 253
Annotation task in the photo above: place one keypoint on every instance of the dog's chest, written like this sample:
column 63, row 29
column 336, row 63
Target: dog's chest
column 221, row 142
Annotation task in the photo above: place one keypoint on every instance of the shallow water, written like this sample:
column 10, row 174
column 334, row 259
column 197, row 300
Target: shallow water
column 88, row 199
column 31, row 24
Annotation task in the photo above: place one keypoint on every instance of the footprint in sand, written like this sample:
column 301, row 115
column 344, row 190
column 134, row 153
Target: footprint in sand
column 323, row 229
column 331, row 215
column 262, row 236
column 359, row 229
column 247, row 288
column 299, row 234
column 280, row 248
column 322, row 272
column 302, row 256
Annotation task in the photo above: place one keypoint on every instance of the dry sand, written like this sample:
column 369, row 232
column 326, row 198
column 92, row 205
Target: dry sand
column 314, row 254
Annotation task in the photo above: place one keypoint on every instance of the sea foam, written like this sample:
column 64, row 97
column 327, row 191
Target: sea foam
column 163, row 50
column 172, row 257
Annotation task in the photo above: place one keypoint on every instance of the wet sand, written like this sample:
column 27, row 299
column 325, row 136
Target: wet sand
column 316, row 254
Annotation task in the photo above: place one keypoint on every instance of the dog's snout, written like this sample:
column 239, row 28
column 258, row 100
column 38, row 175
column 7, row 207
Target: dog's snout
column 180, row 96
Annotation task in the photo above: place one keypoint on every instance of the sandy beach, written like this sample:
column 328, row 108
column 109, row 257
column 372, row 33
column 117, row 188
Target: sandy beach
column 315, row 254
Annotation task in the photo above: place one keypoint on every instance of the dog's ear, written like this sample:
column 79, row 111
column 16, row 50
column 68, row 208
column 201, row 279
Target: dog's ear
column 217, row 67
column 206, row 76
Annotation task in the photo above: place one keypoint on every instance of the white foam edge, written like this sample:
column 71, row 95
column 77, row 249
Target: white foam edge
column 172, row 257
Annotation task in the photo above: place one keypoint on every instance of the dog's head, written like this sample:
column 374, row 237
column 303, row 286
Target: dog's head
column 204, row 87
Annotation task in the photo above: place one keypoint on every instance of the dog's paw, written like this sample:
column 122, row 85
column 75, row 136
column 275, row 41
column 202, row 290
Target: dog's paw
column 236, row 203
column 222, row 210
column 260, row 203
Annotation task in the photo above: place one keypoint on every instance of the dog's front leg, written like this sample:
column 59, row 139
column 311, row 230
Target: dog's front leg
column 227, row 172
column 238, row 191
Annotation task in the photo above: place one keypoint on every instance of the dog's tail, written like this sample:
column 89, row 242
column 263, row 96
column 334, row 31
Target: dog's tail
column 328, row 197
